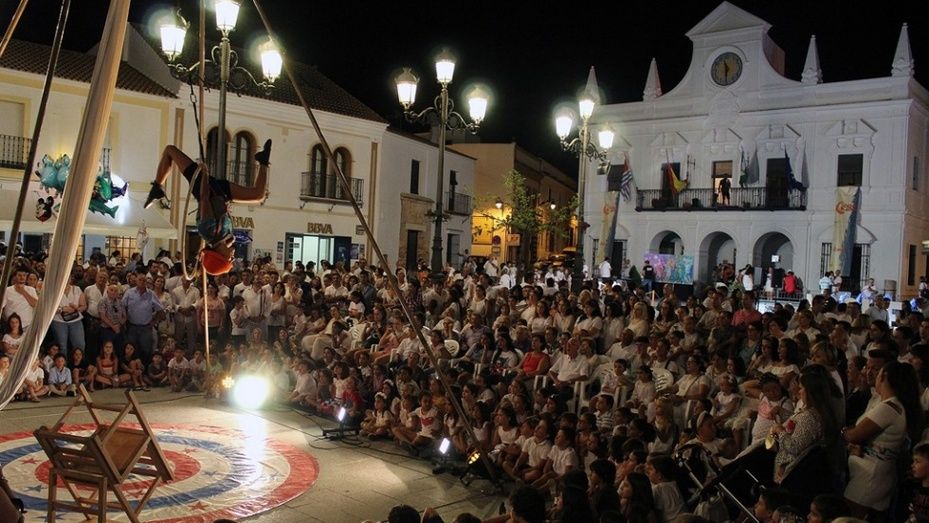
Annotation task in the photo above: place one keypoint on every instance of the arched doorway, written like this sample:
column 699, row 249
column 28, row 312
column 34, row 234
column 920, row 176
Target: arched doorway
column 717, row 247
column 771, row 246
column 667, row 242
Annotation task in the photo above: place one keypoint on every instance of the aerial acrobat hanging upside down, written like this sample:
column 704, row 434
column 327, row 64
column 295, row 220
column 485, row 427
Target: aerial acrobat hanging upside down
column 213, row 221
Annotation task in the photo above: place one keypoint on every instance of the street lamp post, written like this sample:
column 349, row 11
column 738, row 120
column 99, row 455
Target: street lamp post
column 586, row 151
column 231, row 75
column 442, row 113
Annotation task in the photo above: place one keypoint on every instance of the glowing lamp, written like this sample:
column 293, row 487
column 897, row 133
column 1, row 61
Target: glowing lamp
column 586, row 106
column 606, row 138
column 172, row 36
column 227, row 12
column 563, row 125
column 271, row 60
column 444, row 67
column 477, row 104
column 406, row 87
column 250, row 392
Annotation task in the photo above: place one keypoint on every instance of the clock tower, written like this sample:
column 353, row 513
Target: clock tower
column 731, row 52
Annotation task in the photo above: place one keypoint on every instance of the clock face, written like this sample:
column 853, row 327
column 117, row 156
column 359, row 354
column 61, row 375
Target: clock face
column 726, row 69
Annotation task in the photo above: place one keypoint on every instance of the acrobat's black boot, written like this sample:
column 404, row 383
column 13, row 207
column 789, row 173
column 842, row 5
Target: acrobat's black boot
column 264, row 156
column 157, row 192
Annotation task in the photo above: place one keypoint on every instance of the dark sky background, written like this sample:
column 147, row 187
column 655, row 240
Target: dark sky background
column 533, row 54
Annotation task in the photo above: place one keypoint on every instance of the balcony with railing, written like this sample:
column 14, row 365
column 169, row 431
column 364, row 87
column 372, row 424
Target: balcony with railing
column 14, row 151
column 240, row 172
column 316, row 186
column 740, row 199
column 457, row 203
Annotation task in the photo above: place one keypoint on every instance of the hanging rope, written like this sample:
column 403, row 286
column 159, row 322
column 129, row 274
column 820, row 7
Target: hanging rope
column 391, row 279
column 34, row 145
column 8, row 35
column 73, row 214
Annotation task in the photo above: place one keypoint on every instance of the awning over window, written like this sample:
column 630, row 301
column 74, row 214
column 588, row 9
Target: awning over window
column 129, row 217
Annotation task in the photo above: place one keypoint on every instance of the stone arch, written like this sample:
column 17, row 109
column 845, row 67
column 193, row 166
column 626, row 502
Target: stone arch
column 716, row 247
column 667, row 242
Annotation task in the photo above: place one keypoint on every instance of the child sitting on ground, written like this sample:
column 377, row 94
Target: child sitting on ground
column 561, row 459
column 59, row 378
column 156, row 374
column 377, row 422
column 178, row 372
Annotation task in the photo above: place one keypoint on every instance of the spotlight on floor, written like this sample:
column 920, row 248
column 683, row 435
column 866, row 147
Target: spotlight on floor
column 338, row 433
column 250, row 392
column 228, row 382
column 442, row 464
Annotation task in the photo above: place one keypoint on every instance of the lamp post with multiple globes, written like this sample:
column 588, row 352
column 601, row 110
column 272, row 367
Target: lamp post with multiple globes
column 230, row 74
column 586, row 151
column 442, row 114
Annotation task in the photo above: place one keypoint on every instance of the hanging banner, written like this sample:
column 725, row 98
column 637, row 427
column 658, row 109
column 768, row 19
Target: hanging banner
column 670, row 268
column 608, row 230
column 847, row 207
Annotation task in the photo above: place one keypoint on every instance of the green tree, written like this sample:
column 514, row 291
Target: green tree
column 525, row 215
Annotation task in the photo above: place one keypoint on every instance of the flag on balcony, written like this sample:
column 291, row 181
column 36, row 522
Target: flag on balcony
column 676, row 184
column 749, row 169
column 628, row 181
column 792, row 182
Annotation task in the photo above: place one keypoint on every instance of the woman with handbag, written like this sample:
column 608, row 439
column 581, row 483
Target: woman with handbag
column 67, row 325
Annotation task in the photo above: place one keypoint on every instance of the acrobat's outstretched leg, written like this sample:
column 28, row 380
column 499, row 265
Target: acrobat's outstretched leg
column 255, row 193
column 171, row 155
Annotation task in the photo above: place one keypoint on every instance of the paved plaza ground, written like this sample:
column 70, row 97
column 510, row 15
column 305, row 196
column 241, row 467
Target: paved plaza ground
column 354, row 483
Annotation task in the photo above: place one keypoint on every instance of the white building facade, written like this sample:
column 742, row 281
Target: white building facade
column 734, row 112
column 306, row 216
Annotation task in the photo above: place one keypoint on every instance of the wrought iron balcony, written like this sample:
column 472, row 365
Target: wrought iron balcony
column 316, row 186
column 740, row 199
column 240, row 172
column 14, row 151
column 457, row 203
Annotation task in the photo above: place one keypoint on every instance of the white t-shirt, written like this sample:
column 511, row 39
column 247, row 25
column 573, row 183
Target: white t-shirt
column 36, row 375
column 429, row 421
column 605, row 269
column 14, row 302
column 238, row 315
column 183, row 364
column 537, row 451
column 562, row 459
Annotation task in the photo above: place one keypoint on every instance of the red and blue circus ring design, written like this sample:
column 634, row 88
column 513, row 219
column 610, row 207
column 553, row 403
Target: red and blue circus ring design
column 219, row 473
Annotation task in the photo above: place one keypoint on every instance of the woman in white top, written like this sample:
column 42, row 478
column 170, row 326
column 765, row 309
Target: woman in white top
column 278, row 312
column 542, row 319
column 591, row 321
column 748, row 278
column 880, row 436
column 691, row 388
column 166, row 325
column 67, row 325
column 613, row 324
column 293, row 295
column 769, row 283
column 564, row 319
column 639, row 323
column 14, row 335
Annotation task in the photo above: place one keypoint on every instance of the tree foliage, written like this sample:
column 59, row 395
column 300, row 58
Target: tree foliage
column 524, row 214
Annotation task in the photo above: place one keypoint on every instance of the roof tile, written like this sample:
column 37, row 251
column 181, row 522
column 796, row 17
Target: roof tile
column 33, row 58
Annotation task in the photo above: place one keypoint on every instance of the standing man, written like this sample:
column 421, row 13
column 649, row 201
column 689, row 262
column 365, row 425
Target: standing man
column 257, row 308
column 143, row 310
column 94, row 294
column 20, row 298
column 648, row 276
column 606, row 271
column 490, row 267
column 185, row 322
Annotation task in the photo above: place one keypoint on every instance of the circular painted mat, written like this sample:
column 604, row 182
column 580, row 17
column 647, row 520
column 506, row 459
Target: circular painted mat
column 219, row 473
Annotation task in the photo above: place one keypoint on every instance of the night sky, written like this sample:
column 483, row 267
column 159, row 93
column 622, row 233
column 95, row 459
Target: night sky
column 533, row 54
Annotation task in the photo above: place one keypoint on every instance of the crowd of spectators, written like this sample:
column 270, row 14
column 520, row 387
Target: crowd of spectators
column 602, row 401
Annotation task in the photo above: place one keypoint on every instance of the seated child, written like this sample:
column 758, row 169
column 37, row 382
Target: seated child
column 156, row 375
column 59, row 378
column 378, row 422
column 561, row 458
column 178, row 372
column 669, row 502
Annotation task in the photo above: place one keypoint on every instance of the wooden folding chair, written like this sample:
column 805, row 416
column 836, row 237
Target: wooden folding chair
column 114, row 451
